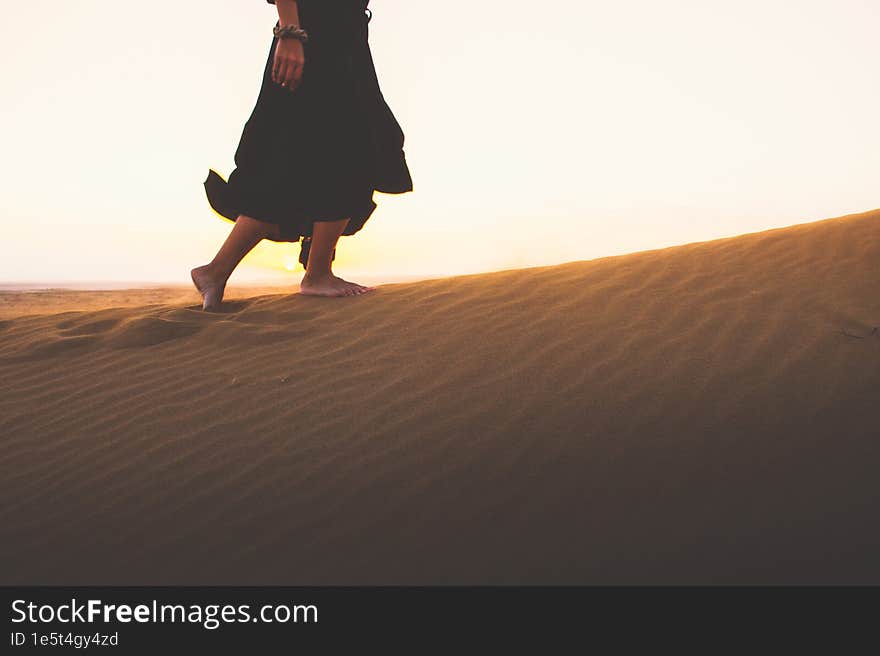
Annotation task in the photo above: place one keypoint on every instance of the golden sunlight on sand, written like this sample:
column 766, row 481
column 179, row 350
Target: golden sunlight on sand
column 702, row 413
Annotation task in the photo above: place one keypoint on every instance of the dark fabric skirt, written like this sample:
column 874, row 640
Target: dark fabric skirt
column 317, row 153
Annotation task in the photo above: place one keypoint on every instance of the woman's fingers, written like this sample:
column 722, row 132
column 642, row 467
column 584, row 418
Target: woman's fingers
column 288, row 64
column 290, row 74
column 282, row 71
column 294, row 75
column 276, row 64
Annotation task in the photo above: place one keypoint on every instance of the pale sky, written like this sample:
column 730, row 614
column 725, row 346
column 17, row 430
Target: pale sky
column 536, row 132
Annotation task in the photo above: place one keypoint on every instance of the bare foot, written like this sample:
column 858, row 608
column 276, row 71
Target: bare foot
column 330, row 285
column 210, row 287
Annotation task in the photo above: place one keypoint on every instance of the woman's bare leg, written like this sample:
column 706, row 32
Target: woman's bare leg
column 211, row 278
column 319, row 279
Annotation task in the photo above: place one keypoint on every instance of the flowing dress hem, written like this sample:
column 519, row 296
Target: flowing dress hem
column 293, row 228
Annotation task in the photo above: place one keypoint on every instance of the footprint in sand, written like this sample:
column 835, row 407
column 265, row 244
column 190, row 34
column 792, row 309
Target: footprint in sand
column 149, row 331
column 52, row 347
column 275, row 317
column 89, row 328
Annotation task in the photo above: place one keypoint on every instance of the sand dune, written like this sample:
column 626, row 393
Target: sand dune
column 14, row 303
column 700, row 414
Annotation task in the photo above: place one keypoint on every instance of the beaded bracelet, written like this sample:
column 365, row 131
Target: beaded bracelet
column 291, row 32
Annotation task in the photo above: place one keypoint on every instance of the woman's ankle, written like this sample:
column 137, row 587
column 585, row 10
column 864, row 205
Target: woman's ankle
column 213, row 271
column 318, row 274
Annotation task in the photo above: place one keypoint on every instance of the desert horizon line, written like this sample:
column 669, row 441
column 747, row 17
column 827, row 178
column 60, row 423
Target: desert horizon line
column 279, row 279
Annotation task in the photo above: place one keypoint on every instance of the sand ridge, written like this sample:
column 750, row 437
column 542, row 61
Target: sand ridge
column 705, row 413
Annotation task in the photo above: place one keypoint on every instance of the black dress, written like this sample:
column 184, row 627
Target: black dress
column 317, row 153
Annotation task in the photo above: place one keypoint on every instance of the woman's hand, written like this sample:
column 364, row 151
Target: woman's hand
column 287, row 69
